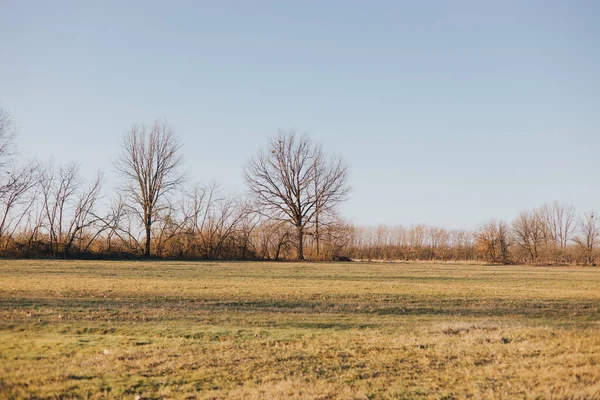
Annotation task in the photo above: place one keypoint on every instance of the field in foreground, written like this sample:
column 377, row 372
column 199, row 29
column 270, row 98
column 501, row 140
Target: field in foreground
column 76, row 329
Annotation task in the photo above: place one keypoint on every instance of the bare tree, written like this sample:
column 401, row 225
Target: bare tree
column 18, row 184
column 197, row 205
column 15, row 182
column 8, row 133
column 275, row 238
column 325, row 212
column 223, row 219
column 17, row 198
column 194, row 205
column 337, row 236
column 434, row 235
column 247, row 227
column 149, row 164
column 488, row 240
column 493, row 240
column 505, row 241
column 529, row 232
column 560, row 225
column 283, row 181
column 117, row 224
column 589, row 235
column 205, row 223
column 58, row 191
column 68, row 209
column 416, row 241
column 84, row 215
column 169, row 228
column 463, row 245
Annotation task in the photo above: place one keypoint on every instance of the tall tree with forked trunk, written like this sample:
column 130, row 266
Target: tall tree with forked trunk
column 149, row 164
column 293, row 180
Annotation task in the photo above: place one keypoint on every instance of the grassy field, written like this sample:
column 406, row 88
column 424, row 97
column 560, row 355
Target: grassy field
column 74, row 329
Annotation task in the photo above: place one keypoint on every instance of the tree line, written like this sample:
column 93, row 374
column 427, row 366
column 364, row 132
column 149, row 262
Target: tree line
column 551, row 234
column 290, row 211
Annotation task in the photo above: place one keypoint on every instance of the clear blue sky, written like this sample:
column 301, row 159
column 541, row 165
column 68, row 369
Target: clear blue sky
column 448, row 112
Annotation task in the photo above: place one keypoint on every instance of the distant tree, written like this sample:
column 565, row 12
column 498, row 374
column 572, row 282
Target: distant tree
column 69, row 208
column 416, row 241
column 561, row 223
column 589, row 235
column 223, row 220
column 529, row 232
column 294, row 181
column 149, row 164
column 463, row 244
column 505, row 241
column 275, row 239
column 488, row 241
column 437, row 238
column 493, row 240
column 215, row 225
column 337, row 237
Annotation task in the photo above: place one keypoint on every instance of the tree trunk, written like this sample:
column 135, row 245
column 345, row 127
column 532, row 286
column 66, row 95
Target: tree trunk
column 317, row 232
column 148, row 233
column 300, row 232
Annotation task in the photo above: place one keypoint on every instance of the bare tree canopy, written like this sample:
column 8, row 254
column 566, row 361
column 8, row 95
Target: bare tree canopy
column 589, row 236
column 560, row 223
column 17, row 182
column 68, row 207
column 149, row 164
column 8, row 133
column 293, row 180
column 529, row 232
column 493, row 241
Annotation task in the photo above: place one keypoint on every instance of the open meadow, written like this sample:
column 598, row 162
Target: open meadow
column 83, row 329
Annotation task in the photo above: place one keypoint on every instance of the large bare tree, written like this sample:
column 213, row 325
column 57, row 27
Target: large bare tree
column 293, row 180
column 149, row 164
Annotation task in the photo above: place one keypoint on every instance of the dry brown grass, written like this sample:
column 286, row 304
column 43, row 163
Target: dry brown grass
column 262, row 330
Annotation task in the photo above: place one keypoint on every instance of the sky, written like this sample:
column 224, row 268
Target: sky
column 447, row 112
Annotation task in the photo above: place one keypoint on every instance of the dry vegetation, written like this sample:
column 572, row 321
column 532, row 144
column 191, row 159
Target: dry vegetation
column 274, row 330
column 290, row 211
